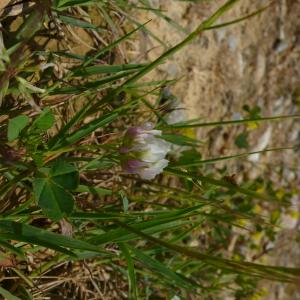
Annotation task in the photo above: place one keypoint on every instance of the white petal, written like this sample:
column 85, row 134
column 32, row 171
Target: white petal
column 148, row 126
column 156, row 150
column 153, row 170
column 154, row 132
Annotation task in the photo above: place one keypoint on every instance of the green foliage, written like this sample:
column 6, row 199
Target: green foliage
column 52, row 189
column 63, row 4
column 44, row 121
column 241, row 140
column 15, row 126
column 33, row 235
column 166, row 237
column 7, row 295
column 254, row 112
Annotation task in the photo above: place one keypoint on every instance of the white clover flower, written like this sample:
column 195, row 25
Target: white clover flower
column 143, row 152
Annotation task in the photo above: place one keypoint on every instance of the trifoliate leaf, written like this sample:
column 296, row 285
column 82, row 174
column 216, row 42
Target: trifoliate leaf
column 15, row 126
column 52, row 189
column 45, row 120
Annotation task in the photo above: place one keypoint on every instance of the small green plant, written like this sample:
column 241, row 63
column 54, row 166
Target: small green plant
column 83, row 179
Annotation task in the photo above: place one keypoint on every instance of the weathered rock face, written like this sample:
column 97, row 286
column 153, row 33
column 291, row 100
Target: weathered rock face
column 3, row 3
column 254, row 63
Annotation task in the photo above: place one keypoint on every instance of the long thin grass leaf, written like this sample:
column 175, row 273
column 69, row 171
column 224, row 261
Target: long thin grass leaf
column 207, row 23
column 259, row 11
column 133, row 291
column 7, row 295
column 113, row 45
column 247, row 268
column 101, row 69
column 221, row 183
column 87, row 129
column 163, row 16
column 224, row 158
column 229, row 122
column 34, row 235
column 153, row 264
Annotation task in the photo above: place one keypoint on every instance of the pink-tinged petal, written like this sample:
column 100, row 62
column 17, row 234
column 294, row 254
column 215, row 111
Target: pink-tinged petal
column 132, row 132
column 123, row 150
column 152, row 170
column 144, row 152
column 131, row 166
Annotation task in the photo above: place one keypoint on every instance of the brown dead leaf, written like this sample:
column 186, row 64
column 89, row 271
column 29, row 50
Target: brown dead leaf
column 7, row 260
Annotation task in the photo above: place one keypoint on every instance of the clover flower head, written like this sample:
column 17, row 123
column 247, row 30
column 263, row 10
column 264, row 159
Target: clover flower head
column 143, row 152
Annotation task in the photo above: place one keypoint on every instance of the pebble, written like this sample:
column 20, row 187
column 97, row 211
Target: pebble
column 261, row 145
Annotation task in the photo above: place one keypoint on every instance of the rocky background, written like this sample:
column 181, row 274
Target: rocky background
column 254, row 63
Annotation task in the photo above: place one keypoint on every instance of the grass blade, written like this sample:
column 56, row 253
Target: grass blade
column 209, row 22
column 133, row 291
column 229, row 122
column 196, row 163
column 87, row 129
column 220, row 183
column 153, row 264
column 251, row 269
column 27, row 233
column 7, row 295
